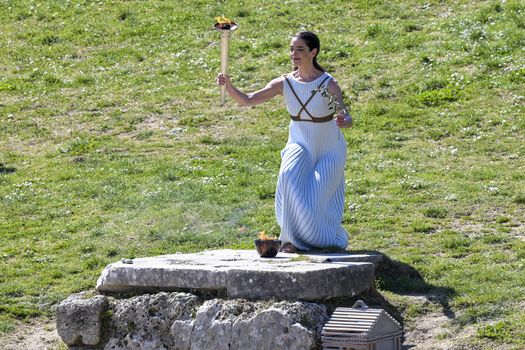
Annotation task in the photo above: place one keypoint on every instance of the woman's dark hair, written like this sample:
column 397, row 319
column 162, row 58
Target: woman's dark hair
column 312, row 41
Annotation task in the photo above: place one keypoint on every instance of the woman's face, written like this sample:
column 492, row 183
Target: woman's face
column 300, row 54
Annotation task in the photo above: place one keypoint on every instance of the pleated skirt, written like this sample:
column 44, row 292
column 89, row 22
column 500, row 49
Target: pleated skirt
column 309, row 200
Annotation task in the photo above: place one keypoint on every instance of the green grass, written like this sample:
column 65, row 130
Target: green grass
column 112, row 143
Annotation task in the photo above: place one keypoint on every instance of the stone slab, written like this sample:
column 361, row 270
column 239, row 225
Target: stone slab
column 243, row 274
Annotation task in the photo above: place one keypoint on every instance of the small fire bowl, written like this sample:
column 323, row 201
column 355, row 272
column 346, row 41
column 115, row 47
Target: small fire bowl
column 267, row 248
column 231, row 26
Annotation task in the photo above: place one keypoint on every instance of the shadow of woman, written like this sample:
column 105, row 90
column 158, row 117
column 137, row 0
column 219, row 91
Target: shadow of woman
column 399, row 278
column 403, row 279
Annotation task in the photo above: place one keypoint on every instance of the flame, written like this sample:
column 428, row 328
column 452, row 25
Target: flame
column 223, row 20
column 264, row 237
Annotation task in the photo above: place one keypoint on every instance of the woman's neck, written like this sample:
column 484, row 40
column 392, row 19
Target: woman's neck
column 308, row 73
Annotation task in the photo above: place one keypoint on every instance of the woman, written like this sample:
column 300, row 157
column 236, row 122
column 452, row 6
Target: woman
column 309, row 198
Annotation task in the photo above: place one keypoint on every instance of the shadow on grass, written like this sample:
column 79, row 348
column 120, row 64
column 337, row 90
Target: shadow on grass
column 403, row 279
column 399, row 278
column 6, row 170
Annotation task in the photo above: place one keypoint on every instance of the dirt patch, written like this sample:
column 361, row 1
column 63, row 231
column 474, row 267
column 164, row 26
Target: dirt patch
column 435, row 331
column 432, row 332
column 151, row 124
column 36, row 335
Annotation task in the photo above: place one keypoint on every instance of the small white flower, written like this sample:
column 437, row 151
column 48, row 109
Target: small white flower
column 492, row 189
column 451, row 197
column 353, row 207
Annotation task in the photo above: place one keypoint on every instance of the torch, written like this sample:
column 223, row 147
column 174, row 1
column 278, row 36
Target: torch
column 225, row 26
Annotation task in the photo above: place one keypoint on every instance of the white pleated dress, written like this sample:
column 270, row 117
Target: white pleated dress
column 309, row 199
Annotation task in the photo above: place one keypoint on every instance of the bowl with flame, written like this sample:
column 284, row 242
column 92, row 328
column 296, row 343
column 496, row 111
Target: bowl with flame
column 223, row 23
column 267, row 247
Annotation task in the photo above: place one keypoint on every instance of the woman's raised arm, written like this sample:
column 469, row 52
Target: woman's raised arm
column 272, row 89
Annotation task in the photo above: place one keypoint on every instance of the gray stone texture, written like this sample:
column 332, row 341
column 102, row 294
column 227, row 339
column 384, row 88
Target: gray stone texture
column 181, row 332
column 243, row 274
column 303, row 282
column 238, row 325
column 80, row 319
column 288, row 326
column 177, row 321
column 145, row 322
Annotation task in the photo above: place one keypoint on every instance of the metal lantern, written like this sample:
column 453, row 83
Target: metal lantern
column 361, row 328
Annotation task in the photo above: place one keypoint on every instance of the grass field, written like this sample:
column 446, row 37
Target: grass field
column 113, row 144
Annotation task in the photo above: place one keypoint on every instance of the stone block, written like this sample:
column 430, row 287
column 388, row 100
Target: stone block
column 241, row 325
column 181, row 332
column 80, row 319
column 177, row 321
column 147, row 320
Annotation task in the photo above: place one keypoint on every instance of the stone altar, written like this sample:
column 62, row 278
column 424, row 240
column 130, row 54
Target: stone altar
column 272, row 303
column 243, row 274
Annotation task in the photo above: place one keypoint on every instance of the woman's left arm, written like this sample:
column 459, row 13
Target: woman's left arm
column 343, row 118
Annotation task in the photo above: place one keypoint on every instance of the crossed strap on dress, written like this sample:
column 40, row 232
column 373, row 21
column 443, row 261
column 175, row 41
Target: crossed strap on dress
column 303, row 105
